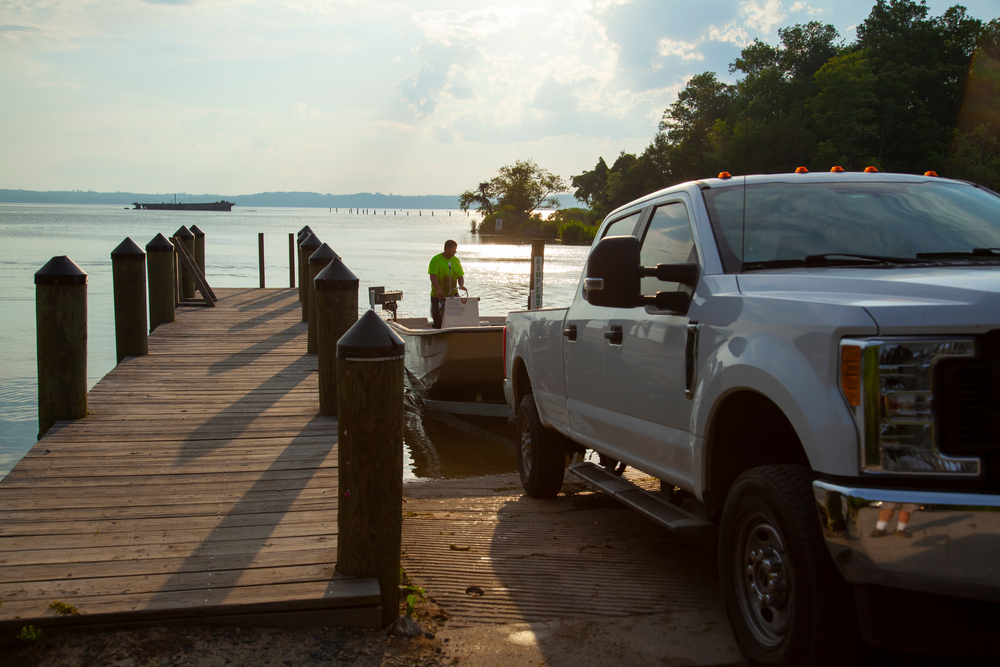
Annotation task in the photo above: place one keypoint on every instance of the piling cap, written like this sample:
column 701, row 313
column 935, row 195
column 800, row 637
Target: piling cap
column 127, row 249
column 61, row 271
column 197, row 232
column 184, row 233
column 370, row 338
column 311, row 241
column 336, row 276
column 323, row 255
column 304, row 232
column 160, row 243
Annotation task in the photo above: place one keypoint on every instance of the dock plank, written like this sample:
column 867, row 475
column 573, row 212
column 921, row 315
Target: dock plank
column 201, row 485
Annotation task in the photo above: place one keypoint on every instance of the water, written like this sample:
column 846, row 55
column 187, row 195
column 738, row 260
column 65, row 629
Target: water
column 380, row 248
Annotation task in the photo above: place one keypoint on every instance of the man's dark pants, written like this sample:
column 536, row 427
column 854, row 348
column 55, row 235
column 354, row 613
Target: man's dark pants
column 437, row 311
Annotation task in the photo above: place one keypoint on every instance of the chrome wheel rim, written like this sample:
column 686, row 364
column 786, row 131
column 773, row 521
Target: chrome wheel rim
column 525, row 448
column 763, row 579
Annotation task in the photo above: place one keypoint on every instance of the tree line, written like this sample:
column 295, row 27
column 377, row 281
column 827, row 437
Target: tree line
column 912, row 93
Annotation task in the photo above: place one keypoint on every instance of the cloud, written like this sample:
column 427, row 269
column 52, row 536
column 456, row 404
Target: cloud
column 439, row 64
column 453, row 26
column 673, row 47
column 763, row 17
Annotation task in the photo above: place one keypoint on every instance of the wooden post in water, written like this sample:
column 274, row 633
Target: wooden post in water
column 187, row 280
column 61, row 333
column 537, row 271
column 128, row 269
column 291, row 260
column 317, row 262
column 260, row 257
column 160, row 273
column 303, row 267
column 336, row 311
column 199, row 248
column 307, row 247
column 370, row 456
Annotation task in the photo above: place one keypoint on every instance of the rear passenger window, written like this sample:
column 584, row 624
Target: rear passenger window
column 623, row 226
column 668, row 240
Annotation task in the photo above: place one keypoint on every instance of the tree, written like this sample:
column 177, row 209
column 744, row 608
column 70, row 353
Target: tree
column 843, row 112
column 521, row 188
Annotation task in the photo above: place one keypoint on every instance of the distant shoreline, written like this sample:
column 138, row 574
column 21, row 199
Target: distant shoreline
column 266, row 199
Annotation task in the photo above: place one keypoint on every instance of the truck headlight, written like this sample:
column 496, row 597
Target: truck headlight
column 889, row 385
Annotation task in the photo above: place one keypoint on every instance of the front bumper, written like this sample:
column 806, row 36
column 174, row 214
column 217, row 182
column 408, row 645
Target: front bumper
column 953, row 548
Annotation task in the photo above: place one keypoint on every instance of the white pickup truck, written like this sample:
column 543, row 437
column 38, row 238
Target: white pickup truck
column 811, row 363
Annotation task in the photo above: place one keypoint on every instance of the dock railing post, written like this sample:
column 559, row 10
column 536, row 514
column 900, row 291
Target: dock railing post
column 307, row 247
column 303, row 268
column 317, row 262
column 260, row 257
column 160, row 274
column 187, row 280
column 370, row 456
column 336, row 311
column 199, row 248
column 291, row 260
column 128, row 269
column 61, row 333
column 537, row 272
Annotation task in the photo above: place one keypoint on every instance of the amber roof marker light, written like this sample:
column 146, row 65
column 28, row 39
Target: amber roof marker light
column 837, row 169
column 931, row 173
column 871, row 170
column 801, row 170
column 724, row 174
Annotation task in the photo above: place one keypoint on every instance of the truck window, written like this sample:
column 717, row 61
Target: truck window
column 623, row 226
column 667, row 241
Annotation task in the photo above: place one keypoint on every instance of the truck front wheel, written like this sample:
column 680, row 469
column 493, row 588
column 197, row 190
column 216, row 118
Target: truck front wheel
column 785, row 599
column 541, row 453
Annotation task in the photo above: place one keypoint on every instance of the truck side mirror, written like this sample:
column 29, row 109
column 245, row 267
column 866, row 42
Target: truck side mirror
column 612, row 279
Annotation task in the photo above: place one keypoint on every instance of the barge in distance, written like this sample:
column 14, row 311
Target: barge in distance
column 210, row 206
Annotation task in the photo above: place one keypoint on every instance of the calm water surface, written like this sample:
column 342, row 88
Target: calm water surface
column 379, row 247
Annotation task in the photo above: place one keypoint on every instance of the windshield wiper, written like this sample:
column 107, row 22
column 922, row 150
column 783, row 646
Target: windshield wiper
column 976, row 253
column 834, row 259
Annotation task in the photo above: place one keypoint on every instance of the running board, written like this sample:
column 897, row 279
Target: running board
column 665, row 513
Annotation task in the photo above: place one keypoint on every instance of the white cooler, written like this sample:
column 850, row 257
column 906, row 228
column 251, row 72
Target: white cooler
column 461, row 312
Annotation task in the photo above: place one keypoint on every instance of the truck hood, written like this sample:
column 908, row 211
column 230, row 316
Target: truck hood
column 960, row 299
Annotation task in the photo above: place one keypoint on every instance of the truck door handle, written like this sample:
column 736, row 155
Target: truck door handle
column 614, row 334
column 570, row 332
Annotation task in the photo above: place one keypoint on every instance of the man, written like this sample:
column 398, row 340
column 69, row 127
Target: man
column 447, row 277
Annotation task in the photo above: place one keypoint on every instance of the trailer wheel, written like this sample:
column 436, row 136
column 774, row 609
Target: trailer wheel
column 541, row 453
column 785, row 599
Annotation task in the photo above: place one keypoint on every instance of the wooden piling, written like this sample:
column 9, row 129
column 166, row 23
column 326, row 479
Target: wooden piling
column 370, row 456
column 303, row 268
column 187, row 280
column 199, row 248
column 317, row 262
column 336, row 312
column 160, row 275
column 260, row 257
column 307, row 247
column 61, row 333
column 128, row 269
column 537, row 272
column 291, row 260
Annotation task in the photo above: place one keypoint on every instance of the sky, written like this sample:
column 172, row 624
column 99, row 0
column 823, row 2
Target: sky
column 346, row 96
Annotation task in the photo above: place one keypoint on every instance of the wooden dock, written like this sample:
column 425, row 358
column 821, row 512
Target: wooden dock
column 201, row 487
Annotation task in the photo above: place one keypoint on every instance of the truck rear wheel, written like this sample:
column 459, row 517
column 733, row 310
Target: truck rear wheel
column 786, row 601
column 541, row 452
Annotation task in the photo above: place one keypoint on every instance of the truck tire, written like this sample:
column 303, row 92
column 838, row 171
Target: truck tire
column 785, row 599
column 541, row 453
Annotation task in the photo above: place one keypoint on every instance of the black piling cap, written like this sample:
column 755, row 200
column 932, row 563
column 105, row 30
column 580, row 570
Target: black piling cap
column 60, row 271
column 304, row 232
column 160, row 243
column 184, row 233
column 311, row 241
column 336, row 276
column 370, row 338
column 323, row 255
column 127, row 249
column 197, row 232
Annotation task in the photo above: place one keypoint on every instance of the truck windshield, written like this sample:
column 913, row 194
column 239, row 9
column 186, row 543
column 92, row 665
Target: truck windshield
column 795, row 224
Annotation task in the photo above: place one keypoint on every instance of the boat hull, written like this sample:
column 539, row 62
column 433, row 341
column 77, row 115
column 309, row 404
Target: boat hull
column 209, row 206
column 458, row 364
